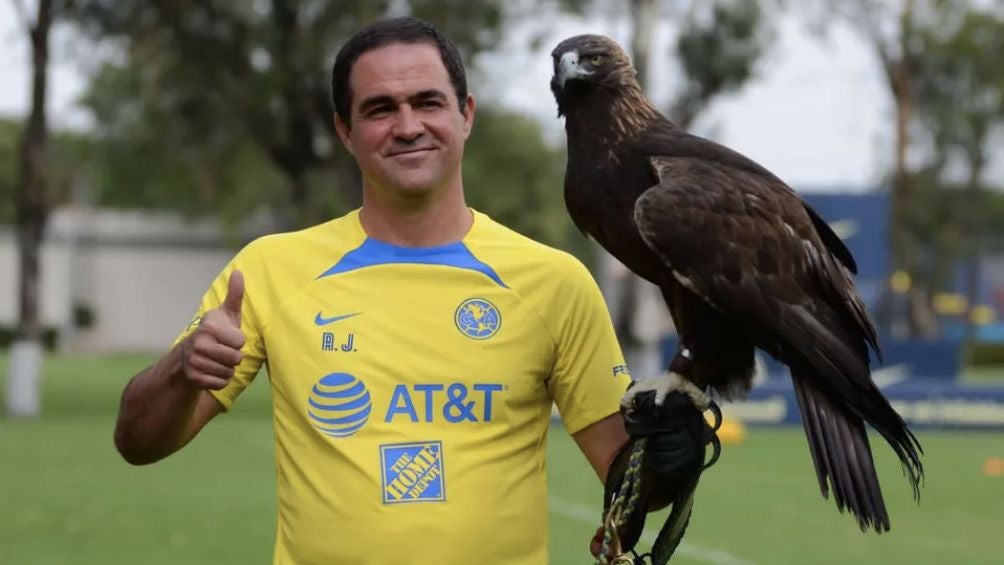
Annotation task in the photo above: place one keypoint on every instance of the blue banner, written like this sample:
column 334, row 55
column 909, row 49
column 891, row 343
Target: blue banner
column 921, row 402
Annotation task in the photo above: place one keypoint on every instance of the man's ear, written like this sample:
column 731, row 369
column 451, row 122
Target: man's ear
column 468, row 111
column 343, row 133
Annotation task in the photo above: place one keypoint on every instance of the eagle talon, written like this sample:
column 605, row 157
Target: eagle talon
column 662, row 385
column 716, row 451
column 716, row 413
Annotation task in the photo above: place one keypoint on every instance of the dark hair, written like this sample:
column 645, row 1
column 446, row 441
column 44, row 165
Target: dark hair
column 383, row 33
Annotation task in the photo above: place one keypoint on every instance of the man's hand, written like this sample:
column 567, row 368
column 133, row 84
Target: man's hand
column 596, row 544
column 210, row 354
column 659, row 467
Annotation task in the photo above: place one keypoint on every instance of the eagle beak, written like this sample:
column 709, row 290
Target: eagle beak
column 568, row 68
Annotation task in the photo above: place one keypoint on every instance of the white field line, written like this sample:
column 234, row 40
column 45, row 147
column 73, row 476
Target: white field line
column 586, row 515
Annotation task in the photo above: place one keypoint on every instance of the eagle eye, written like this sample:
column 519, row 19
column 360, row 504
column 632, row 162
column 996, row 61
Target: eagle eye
column 595, row 60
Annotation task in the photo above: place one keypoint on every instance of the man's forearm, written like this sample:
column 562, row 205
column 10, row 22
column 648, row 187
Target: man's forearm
column 601, row 441
column 156, row 411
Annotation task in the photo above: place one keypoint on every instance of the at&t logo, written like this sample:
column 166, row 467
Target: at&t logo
column 339, row 404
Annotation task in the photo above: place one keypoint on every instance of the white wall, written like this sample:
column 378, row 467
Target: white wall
column 55, row 265
column 142, row 297
column 142, row 275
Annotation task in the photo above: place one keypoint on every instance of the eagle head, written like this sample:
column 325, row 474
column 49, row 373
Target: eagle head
column 587, row 62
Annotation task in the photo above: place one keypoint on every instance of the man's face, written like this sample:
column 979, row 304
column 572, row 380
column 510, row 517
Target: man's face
column 407, row 131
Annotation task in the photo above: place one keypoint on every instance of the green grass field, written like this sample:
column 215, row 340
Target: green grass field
column 66, row 497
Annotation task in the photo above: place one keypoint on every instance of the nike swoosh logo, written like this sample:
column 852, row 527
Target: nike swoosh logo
column 322, row 321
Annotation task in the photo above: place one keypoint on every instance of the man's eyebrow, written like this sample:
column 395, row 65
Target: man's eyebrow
column 431, row 94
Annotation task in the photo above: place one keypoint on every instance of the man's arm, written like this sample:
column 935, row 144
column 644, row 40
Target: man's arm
column 161, row 412
column 601, row 441
column 166, row 405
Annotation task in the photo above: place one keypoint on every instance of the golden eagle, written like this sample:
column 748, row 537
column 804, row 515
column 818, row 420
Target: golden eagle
column 742, row 263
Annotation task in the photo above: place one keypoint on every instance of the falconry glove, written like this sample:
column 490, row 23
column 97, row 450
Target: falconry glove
column 659, row 466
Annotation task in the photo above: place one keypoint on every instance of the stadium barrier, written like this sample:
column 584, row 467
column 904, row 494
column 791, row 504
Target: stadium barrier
column 920, row 379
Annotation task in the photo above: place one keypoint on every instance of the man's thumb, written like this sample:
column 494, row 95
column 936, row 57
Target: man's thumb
column 235, row 295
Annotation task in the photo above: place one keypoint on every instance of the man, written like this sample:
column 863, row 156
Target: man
column 414, row 346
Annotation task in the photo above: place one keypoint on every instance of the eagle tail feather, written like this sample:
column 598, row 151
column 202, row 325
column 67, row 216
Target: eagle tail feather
column 842, row 456
column 838, row 374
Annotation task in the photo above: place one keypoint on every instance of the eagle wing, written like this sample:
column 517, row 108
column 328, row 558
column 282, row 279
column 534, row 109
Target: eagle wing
column 745, row 243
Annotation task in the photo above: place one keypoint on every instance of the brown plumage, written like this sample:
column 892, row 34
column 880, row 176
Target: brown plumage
column 741, row 260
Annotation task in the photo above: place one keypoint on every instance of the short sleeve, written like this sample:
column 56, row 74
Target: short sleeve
column 253, row 350
column 589, row 376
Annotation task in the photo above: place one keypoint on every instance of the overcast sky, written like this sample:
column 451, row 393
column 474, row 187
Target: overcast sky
column 817, row 114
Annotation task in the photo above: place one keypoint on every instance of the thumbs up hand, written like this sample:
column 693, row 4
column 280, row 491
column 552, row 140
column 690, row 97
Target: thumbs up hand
column 210, row 354
column 235, row 297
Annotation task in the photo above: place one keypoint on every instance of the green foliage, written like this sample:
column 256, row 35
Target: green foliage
column 511, row 174
column 150, row 159
column 67, row 154
column 959, row 96
column 718, row 48
column 219, row 106
column 941, row 63
column 960, row 91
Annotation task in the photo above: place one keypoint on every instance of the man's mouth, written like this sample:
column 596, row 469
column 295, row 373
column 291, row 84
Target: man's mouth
column 411, row 151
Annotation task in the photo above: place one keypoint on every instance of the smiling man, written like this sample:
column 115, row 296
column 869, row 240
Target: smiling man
column 415, row 347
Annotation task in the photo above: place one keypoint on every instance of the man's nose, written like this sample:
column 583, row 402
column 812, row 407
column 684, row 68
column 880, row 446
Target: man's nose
column 408, row 126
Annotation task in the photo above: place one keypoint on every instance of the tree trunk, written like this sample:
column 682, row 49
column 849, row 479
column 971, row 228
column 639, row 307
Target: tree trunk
column 899, row 74
column 643, row 20
column 32, row 212
column 919, row 321
column 973, row 235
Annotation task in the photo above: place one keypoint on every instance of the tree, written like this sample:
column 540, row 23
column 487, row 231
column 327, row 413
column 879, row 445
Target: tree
column 224, row 80
column 893, row 29
column 913, row 45
column 960, row 101
column 32, row 208
column 143, row 156
column 719, row 47
column 908, row 38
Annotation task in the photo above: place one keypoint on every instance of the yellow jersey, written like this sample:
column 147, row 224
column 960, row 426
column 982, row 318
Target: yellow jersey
column 412, row 388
